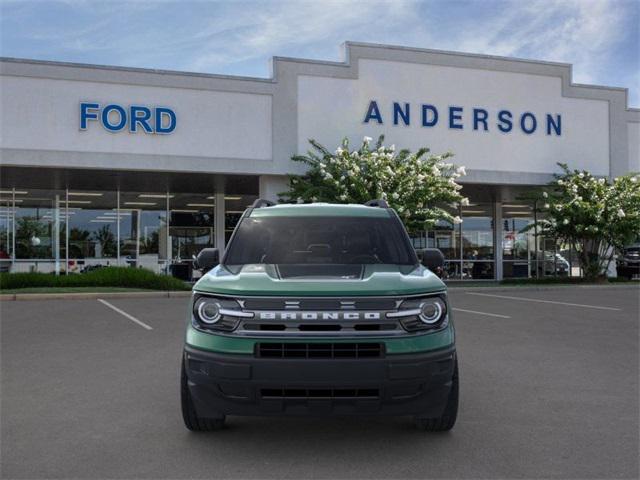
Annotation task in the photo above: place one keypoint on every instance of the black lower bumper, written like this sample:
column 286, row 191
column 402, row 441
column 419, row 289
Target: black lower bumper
column 223, row 384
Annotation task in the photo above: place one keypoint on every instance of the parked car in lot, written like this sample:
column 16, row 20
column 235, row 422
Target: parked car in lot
column 320, row 310
column 553, row 264
column 628, row 263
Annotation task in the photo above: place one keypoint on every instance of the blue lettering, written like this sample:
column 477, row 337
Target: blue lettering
column 480, row 116
column 523, row 123
column 105, row 118
column 399, row 112
column 86, row 114
column 425, row 115
column 505, row 124
column 139, row 115
column 556, row 125
column 162, row 112
column 455, row 113
column 373, row 112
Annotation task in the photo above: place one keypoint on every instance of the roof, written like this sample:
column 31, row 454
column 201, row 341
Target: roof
column 319, row 210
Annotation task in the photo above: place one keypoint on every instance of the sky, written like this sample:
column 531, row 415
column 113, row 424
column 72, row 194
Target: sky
column 601, row 38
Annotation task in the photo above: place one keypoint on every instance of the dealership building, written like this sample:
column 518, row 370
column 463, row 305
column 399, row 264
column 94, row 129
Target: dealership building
column 105, row 165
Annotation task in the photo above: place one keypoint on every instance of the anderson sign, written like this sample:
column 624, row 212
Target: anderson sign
column 461, row 118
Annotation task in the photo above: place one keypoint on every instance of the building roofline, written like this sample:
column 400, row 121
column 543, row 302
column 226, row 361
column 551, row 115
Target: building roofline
column 346, row 63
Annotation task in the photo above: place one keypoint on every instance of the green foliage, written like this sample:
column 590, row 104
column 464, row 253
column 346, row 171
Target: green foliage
column 417, row 185
column 102, row 277
column 595, row 216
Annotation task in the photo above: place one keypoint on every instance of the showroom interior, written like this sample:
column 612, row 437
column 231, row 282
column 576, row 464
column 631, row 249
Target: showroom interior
column 70, row 221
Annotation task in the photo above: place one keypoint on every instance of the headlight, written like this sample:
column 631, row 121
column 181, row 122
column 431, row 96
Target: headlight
column 431, row 310
column 208, row 310
column 424, row 313
column 217, row 313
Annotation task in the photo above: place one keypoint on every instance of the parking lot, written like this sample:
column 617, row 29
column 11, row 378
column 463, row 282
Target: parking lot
column 549, row 389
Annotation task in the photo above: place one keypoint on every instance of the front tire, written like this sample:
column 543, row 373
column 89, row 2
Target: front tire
column 191, row 419
column 448, row 418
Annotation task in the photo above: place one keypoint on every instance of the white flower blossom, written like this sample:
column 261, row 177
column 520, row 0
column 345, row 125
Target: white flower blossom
column 621, row 213
column 339, row 151
column 395, row 195
column 367, row 139
column 546, row 205
column 459, row 170
column 565, row 221
column 464, row 202
column 545, row 195
column 560, row 182
column 392, row 148
column 457, row 220
column 343, row 197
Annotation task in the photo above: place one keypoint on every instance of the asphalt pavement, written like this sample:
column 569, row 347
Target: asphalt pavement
column 549, row 389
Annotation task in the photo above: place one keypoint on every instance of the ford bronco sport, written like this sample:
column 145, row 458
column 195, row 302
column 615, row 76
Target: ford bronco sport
column 319, row 309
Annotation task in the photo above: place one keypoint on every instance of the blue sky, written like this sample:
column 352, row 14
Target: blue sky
column 600, row 38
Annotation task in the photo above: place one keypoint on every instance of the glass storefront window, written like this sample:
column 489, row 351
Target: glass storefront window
column 477, row 242
column 144, row 229
column 38, row 226
column 192, row 224
column 518, row 240
column 6, row 229
column 92, row 230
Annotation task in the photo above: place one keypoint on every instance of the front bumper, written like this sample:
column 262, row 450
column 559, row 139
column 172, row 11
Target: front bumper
column 231, row 384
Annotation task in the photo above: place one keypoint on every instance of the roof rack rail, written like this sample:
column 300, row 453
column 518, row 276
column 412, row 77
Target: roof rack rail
column 377, row 203
column 261, row 202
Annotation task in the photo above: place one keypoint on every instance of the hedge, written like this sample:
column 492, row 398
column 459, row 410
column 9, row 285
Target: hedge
column 102, row 277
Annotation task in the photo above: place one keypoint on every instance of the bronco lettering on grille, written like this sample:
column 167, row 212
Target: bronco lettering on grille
column 319, row 315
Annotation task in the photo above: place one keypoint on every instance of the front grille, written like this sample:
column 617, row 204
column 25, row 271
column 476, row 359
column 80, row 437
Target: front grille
column 313, row 393
column 320, row 304
column 319, row 350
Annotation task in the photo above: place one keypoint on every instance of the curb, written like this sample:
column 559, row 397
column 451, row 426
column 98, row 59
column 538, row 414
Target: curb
column 92, row 295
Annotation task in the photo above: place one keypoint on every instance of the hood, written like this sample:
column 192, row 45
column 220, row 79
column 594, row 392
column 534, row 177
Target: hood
column 280, row 280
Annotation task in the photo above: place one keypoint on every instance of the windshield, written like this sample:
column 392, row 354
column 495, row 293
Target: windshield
column 320, row 240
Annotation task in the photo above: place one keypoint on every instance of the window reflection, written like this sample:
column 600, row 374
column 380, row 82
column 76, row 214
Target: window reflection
column 192, row 224
column 518, row 240
column 91, row 218
column 143, row 229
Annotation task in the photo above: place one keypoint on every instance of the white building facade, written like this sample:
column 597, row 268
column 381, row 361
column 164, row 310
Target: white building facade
column 119, row 166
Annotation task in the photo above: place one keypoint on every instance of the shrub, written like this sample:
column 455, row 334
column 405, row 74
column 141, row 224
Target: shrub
column 593, row 215
column 125, row 277
column 417, row 185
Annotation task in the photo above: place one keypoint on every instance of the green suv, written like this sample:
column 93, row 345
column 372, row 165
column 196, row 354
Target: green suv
column 320, row 309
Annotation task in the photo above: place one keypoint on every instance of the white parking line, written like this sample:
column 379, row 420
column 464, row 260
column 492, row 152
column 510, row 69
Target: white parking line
column 125, row 314
column 481, row 313
column 524, row 299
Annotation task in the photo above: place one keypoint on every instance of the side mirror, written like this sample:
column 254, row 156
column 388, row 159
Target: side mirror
column 433, row 259
column 207, row 259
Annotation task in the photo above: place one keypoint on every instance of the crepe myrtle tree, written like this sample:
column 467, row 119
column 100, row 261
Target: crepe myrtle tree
column 417, row 185
column 595, row 216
